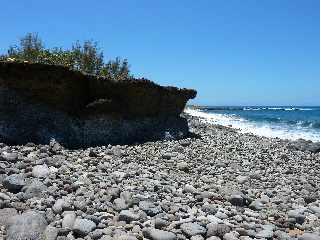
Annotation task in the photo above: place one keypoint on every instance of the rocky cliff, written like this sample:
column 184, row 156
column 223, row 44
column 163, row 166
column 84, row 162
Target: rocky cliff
column 39, row 102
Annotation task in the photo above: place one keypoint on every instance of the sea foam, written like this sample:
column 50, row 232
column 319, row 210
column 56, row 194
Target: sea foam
column 260, row 129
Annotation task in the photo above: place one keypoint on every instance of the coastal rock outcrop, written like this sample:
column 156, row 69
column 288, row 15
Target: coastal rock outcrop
column 42, row 102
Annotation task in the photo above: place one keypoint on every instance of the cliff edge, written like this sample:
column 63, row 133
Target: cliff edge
column 39, row 102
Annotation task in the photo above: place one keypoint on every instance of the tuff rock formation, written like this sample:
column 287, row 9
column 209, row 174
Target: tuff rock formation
column 42, row 102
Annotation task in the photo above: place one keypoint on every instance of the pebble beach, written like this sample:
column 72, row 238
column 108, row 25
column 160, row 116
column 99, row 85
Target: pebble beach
column 217, row 184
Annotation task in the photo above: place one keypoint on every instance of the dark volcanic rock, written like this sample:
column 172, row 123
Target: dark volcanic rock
column 43, row 102
column 14, row 182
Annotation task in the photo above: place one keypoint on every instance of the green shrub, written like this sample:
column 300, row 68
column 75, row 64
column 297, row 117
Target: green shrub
column 86, row 57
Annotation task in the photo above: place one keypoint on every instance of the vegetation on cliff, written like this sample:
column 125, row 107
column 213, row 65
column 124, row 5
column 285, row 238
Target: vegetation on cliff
column 86, row 57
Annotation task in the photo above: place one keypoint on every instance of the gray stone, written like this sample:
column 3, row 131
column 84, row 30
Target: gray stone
column 83, row 227
column 183, row 166
column 118, row 176
column 192, row 229
column 219, row 230
column 58, row 206
column 30, row 225
column 214, row 219
column 96, row 234
column 51, row 233
column 189, row 189
column 34, row 189
column 128, row 216
column 231, row 236
column 149, row 208
column 213, row 238
column 256, row 205
column 197, row 237
column 9, row 157
column 237, row 200
column 242, row 179
column 124, row 236
column 297, row 214
column 4, row 196
column 6, row 214
column 265, row 234
column 14, row 182
column 160, row 223
column 221, row 215
column 106, row 237
column 309, row 236
column 68, row 220
column 281, row 235
column 120, row 204
column 40, row 171
column 155, row 234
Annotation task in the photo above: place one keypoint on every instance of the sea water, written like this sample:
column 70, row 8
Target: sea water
column 283, row 122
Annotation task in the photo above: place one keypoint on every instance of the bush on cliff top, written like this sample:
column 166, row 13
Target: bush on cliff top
column 86, row 57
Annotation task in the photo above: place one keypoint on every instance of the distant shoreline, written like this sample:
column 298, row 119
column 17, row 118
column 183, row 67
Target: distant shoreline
column 213, row 120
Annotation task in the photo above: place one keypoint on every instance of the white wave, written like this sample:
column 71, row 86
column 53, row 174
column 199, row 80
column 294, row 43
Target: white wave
column 277, row 109
column 254, row 109
column 245, row 126
column 305, row 109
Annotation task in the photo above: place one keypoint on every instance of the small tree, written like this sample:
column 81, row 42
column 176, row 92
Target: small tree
column 116, row 69
column 86, row 57
column 30, row 48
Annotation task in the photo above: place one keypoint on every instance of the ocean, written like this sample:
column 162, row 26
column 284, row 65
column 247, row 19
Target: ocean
column 283, row 122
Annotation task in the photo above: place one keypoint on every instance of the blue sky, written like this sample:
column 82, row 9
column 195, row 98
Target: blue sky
column 235, row 52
